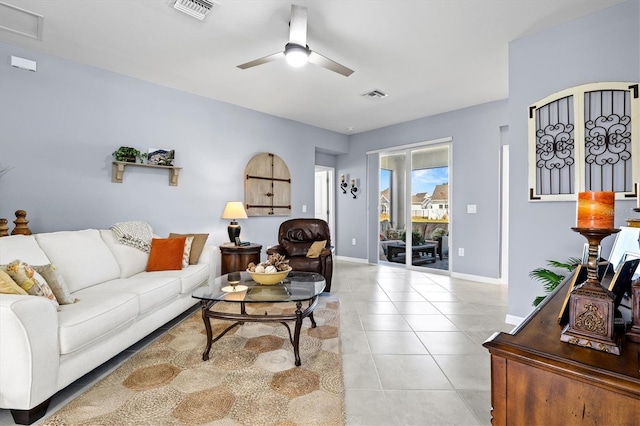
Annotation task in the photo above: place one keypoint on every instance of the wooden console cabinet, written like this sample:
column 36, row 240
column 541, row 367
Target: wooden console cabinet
column 236, row 258
column 538, row 380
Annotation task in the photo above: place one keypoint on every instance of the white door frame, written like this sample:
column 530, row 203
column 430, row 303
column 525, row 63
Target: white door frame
column 330, row 194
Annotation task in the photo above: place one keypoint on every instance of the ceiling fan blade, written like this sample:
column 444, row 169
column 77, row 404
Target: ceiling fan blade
column 263, row 60
column 318, row 59
column 298, row 25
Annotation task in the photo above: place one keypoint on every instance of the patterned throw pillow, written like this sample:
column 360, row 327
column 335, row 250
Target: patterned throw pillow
column 57, row 283
column 26, row 277
column 9, row 286
column 187, row 251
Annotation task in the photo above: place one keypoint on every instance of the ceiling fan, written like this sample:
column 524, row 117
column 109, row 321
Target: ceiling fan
column 296, row 52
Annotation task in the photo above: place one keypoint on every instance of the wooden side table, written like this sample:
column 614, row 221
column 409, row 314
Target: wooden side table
column 236, row 258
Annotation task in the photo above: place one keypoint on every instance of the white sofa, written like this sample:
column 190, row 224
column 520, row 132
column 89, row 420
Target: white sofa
column 44, row 349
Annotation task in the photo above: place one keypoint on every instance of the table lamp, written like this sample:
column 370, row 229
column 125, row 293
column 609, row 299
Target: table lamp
column 234, row 210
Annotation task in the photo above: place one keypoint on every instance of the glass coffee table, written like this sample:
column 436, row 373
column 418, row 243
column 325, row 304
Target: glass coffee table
column 240, row 289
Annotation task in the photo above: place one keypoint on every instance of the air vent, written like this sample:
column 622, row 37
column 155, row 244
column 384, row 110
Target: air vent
column 375, row 94
column 196, row 8
column 20, row 21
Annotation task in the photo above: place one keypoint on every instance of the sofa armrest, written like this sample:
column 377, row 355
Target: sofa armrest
column 209, row 256
column 29, row 353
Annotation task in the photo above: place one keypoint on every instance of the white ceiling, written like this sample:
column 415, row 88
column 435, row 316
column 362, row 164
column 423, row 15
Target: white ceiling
column 430, row 56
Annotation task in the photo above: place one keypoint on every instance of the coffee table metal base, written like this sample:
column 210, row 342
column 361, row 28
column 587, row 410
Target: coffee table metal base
column 243, row 317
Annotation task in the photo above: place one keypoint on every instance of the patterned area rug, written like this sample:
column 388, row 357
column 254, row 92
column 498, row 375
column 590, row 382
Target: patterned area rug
column 249, row 379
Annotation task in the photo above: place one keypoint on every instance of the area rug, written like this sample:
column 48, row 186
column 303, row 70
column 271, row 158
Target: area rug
column 249, row 379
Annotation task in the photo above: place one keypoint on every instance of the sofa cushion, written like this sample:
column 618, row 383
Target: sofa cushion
column 82, row 257
column 190, row 277
column 296, row 249
column 199, row 241
column 152, row 290
column 94, row 317
column 131, row 260
column 23, row 247
column 166, row 254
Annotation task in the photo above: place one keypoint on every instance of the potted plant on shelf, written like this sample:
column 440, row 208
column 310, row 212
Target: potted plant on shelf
column 128, row 154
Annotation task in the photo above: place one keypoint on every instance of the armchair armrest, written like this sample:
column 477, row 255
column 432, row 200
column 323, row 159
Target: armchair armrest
column 277, row 249
column 325, row 252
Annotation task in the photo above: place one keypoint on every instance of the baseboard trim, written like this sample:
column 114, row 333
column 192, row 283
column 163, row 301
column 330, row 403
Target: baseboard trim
column 477, row 278
column 353, row 259
column 513, row 320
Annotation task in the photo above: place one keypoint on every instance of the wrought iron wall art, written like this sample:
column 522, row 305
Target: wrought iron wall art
column 607, row 142
column 583, row 139
column 555, row 147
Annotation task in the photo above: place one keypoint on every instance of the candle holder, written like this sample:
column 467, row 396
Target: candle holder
column 592, row 307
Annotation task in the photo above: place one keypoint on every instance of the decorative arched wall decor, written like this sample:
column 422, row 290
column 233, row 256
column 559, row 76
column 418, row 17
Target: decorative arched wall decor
column 267, row 186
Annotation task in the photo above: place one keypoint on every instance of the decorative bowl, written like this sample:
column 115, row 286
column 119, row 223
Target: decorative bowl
column 269, row 278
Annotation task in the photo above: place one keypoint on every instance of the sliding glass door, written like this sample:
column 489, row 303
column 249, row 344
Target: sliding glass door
column 414, row 207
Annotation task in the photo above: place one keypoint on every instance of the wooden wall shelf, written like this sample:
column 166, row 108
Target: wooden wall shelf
column 117, row 171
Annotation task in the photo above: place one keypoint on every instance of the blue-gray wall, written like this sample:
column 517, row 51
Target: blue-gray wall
column 59, row 126
column 474, row 179
column 601, row 47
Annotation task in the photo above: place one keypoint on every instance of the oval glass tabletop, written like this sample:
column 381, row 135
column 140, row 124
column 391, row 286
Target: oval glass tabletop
column 239, row 287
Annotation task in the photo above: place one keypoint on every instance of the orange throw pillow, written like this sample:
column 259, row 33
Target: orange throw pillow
column 166, row 254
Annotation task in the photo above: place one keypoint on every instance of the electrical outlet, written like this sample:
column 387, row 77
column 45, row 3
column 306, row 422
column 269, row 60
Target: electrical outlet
column 461, row 252
column 353, row 241
column 304, row 208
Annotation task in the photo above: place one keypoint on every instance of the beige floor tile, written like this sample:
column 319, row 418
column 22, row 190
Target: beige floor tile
column 410, row 372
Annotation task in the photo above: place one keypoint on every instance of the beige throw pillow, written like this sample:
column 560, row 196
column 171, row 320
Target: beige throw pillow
column 316, row 249
column 57, row 283
column 199, row 241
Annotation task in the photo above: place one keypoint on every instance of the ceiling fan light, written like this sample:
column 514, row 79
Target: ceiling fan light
column 296, row 56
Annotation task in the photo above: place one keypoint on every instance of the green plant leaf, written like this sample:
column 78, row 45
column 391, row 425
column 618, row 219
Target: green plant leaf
column 538, row 299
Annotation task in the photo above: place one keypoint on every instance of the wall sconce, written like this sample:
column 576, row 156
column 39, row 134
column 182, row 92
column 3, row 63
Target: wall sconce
column 343, row 184
column 354, row 188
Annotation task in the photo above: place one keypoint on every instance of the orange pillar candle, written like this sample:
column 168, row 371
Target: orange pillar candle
column 596, row 210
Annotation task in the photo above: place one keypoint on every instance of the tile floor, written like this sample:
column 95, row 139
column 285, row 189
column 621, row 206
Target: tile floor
column 411, row 343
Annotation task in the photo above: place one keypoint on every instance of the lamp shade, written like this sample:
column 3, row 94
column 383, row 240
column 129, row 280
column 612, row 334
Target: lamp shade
column 234, row 210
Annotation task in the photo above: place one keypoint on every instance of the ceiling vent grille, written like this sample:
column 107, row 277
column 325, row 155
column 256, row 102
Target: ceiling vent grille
column 196, row 8
column 20, row 21
column 375, row 94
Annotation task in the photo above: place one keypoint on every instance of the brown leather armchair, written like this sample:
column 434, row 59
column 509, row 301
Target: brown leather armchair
column 294, row 239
